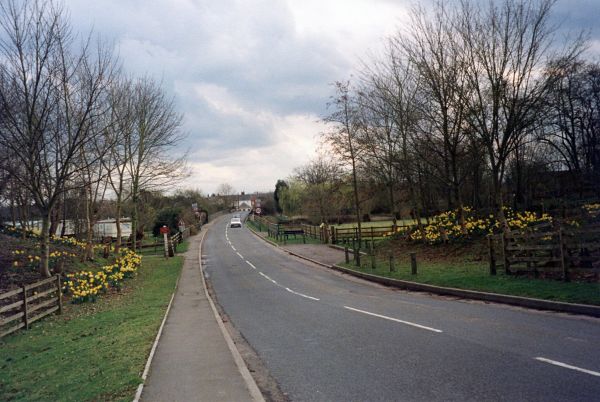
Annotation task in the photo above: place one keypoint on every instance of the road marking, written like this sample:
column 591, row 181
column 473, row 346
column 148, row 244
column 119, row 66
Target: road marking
column 241, row 256
column 249, row 263
column 394, row 319
column 234, row 249
column 301, row 294
column 267, row 277
column 568, row 366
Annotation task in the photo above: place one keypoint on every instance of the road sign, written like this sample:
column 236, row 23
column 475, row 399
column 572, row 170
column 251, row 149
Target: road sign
column 257, row 210
column 164, row 230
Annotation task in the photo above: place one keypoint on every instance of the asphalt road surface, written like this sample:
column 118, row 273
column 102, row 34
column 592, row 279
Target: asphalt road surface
column 326, row 337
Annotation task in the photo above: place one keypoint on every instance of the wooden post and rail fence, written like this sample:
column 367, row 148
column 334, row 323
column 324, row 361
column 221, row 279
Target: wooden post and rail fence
column 544, row 250
column 21, row 307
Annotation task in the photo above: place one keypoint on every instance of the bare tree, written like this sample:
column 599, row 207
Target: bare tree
column 507, row 44
column 117, row 133
column 226, row 192
column 431, row 47
column 387, row 108
column 572, row 126
column 345, row 124
column 49, row 93
column 156, row 132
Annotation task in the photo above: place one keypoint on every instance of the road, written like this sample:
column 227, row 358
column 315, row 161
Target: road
column 325, row 337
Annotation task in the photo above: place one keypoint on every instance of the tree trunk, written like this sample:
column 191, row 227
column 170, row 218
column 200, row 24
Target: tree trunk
column 393, row 208
column 118, row 224
column 89, row 248
column 356, row 202
column 54, row 219
column 45, row 246
column 134, row 216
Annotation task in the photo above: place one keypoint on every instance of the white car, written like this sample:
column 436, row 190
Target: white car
column 235, row 222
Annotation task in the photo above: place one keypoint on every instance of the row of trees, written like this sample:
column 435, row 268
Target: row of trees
column 475, row 103
column 72, row 125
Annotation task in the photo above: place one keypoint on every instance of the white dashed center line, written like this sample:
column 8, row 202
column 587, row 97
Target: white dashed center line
column 268, row 278
column 301, row 294
column 412, row 324
column 568, row 366
column 261, row 273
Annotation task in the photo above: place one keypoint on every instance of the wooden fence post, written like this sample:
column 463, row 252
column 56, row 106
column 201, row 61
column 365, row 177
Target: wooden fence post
column 492, row 255
column 392, row 269
column 25, row 315
column 373, row 262
column 347, row 257
column 58, row 286
column 413, row 263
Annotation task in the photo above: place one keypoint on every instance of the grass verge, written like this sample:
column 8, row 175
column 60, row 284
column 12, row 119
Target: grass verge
column 475, row 276
column 93, row 351
column 297, row 239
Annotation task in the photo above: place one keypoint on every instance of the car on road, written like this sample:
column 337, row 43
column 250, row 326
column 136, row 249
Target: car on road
column 235, row 222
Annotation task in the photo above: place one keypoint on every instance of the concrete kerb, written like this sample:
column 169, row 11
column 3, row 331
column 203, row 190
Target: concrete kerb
column 538, row 304
column 237, row 357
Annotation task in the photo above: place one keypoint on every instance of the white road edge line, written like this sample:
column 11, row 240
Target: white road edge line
column 241, row 256
column 568, row 366
column 395, row 320
column 249, row 263
column 301, row 294
column 234, row 249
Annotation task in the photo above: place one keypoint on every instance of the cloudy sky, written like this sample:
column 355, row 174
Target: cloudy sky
column 252, row 77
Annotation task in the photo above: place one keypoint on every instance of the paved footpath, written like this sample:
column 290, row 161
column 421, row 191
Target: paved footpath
column 195, row 360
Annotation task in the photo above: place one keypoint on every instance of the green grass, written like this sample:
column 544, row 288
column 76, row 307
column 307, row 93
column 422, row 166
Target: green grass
column 475, row 276
column 290, row 240
column 93, row 351
column 296, row 240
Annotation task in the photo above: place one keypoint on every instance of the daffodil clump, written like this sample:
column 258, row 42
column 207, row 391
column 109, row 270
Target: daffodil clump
column 73, row 242
column 84, row 286
column 592, row 209
column 24, row 259
column 447, row 227
column 522, row 220
column 17, row 232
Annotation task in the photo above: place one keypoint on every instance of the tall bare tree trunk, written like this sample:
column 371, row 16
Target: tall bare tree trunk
column 45, row 245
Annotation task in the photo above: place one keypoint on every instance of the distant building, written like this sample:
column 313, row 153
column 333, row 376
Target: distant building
column 244, row 203
column 108, row 228
column 103, row 228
